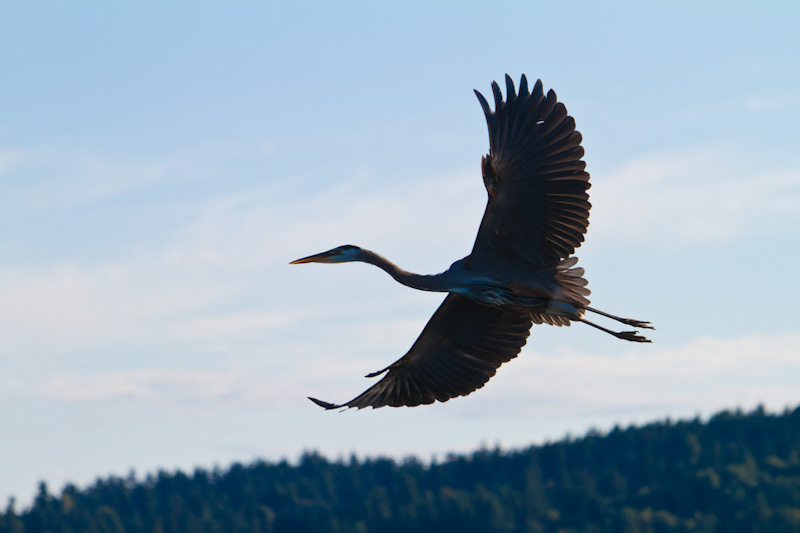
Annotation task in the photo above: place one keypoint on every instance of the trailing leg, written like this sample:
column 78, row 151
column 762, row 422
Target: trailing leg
column 628, row 321
column 632, row 336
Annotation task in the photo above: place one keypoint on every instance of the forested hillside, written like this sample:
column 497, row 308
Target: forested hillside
column 736, row 472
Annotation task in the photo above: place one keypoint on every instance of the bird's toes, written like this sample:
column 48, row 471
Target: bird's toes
column 638, row 323
column 632, row 336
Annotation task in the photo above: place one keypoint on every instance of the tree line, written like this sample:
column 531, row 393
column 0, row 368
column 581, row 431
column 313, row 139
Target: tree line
column 735, row 472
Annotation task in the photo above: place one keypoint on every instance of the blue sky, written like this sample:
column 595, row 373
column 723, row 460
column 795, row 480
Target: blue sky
column 161, row 165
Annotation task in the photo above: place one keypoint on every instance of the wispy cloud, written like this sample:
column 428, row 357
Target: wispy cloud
column 66, row 307
column 44, row 177
column 150, row 385
column 171, row 390
column 694, row 197
column 230, row 325
column 701, row 376
column 9, row 157
column 770, row 103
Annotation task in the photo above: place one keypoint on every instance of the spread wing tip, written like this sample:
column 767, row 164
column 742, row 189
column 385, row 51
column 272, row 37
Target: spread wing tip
column 378, row 373
column 326, row 405
column 484, row 104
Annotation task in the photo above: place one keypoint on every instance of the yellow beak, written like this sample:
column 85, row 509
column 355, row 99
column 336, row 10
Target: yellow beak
column 324, row 257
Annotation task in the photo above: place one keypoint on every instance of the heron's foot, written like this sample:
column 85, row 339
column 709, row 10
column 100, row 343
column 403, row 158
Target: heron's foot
column 637, row 323
column 632, row 336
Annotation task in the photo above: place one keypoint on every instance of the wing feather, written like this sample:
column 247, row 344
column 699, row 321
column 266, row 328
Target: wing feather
column 538, row 208
column 461, row 347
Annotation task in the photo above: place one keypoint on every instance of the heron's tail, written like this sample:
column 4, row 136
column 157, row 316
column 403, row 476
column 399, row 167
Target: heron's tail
column 572, row 303
column 572, row 287
column 571, row 281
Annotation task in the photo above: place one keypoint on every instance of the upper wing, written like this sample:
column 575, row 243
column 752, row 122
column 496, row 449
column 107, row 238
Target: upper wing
column 538, row 208
column 460, row 348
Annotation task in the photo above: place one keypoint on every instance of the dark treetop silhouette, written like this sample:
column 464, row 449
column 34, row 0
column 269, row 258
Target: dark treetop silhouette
column 519, row 272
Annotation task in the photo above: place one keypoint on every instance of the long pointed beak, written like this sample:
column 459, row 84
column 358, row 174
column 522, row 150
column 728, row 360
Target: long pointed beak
column 324, row 257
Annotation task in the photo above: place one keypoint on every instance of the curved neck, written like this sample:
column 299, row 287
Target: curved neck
column 409, row 279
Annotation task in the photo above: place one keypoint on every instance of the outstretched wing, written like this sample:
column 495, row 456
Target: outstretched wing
column 460, row 348
column 538, row 208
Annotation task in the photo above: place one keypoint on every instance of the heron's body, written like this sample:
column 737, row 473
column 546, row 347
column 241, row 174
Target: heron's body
column 521, row 270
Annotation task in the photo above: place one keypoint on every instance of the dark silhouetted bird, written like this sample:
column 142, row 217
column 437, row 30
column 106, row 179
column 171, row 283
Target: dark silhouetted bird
column 520, row 271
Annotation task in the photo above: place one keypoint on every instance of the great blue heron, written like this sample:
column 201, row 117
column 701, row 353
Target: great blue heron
column 519, row 272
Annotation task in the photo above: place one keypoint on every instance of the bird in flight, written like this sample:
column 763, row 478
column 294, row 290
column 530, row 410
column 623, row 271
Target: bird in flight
column 521, row 270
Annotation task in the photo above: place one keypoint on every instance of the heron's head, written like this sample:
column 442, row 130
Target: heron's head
column 340, row 254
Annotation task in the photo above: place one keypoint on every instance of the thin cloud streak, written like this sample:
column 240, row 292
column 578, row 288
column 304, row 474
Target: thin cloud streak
column 693, row 197
column 702, row 375
column 231, row 325
column 58, row 178
column 772, row 103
